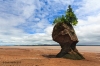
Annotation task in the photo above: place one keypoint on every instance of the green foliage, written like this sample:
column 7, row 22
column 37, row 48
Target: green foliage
column 59, row 19
column 69, row 18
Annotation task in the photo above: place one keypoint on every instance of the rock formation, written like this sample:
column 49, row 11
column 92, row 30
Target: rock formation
column 65, row 35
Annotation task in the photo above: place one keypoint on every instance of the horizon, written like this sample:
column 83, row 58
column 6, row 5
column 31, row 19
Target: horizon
column 46, row 45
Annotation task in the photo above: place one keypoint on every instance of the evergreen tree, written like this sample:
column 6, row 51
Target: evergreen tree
column 69, row 18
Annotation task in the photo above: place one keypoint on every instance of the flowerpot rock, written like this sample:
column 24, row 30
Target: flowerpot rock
column 65, row 35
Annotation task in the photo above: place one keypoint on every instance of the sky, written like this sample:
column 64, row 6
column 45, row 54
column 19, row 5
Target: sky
column 29, row 22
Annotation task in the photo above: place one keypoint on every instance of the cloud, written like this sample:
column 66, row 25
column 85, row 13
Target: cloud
column 12, row 14
column 88, row 8
column 88, row 30
column 64, row 2
column 29, row 22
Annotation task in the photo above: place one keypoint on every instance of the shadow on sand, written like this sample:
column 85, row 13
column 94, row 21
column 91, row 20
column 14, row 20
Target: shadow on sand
column 49, row 56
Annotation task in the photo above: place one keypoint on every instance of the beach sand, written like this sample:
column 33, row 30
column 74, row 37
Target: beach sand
column 45, row 56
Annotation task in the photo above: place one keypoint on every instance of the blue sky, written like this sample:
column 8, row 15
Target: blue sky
column 29, row 22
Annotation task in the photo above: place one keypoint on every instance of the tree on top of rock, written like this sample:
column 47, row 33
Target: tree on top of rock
column 69, row 18
column 64, row 34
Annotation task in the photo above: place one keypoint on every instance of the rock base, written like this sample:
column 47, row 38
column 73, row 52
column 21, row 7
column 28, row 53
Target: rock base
column 73, row 55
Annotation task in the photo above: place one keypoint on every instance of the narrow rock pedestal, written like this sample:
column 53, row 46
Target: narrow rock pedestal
column 69, row 52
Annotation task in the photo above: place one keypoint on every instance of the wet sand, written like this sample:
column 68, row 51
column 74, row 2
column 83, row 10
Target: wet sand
column 45, row 56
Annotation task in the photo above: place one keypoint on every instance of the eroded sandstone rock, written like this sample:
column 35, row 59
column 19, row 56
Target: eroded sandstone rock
column 65, row 35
